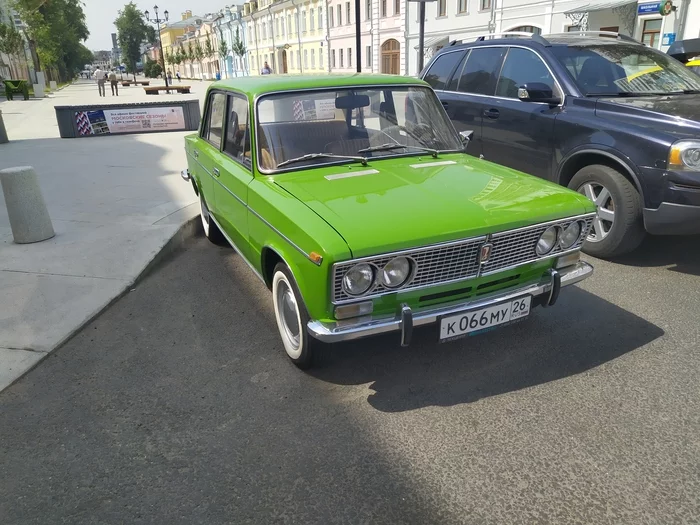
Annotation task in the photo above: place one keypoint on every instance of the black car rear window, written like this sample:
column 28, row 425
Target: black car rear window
column 442, row 68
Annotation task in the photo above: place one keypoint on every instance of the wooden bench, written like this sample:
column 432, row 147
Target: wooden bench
column 127, row 83
column 155, row 90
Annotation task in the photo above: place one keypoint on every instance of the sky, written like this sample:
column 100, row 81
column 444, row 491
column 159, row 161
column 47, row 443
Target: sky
column 100, row 15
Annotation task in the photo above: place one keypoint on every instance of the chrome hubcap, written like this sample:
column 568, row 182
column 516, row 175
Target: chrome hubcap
column 603, row 223
column 288, row 313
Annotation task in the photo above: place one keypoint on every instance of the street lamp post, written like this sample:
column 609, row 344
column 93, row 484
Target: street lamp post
column 159, row 21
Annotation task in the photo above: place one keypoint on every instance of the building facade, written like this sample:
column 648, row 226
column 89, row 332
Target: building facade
column 448, row 20
column 290, row 35
column 383, row 25
column 229, row 27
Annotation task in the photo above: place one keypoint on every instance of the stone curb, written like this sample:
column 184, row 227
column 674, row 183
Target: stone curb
column 186, row 231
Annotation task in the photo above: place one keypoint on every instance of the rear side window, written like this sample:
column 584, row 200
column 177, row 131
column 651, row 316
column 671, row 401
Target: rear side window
column 522, row 66
column 480, row 71
column 439, row 73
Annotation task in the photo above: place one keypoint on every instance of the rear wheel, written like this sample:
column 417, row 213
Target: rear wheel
column 211, row 230
column 618, row 227
column 292, row 318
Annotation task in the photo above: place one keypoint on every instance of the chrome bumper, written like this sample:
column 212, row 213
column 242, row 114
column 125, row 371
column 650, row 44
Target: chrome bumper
column 406, row 318
column 185, row 174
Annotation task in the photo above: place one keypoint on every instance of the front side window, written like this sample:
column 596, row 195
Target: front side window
column 237, row 143
column 345, row 121
column 215, row 121
column 522, row 66
column 479, row 73
column 442, row 68
column 625, row 69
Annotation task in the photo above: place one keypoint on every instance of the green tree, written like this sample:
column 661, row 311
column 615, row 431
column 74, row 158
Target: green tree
column 223, row 53
column 209, row 50
column 198, row 56
column 11, row 41
column 132, row 32
column 55, row 30
column 238, row 48
column 190, row 52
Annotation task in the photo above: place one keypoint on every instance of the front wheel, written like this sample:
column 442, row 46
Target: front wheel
column 292, row 318
column 618, row 227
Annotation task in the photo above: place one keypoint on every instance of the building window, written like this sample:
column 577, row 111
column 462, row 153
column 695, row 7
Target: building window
column 340, row 51
column 306, row 59
column 442, row 7
column 291, row 59
column 313, row 59
column 368, row 56
column 383, row 8
column 264, row 32
column 298, row 60
column 339, row 11
column 312, row 20
column 303, row 21
column 349, row 57
column 651, row 32
column 333, row 58
column 527, row 29
column 320, row 59
column 347, row 13
column 320, row 18
column 485, row 4
column 462, row 6
column 573, row 29
column 368, row 9
column 397, row 7
column 331, row 20
column 289, row 23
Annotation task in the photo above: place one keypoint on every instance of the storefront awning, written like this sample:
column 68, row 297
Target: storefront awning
column 434, row 41
column 598, row 5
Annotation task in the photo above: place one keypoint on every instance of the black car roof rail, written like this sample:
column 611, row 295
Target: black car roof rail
column 624, row 38
column 506, row 34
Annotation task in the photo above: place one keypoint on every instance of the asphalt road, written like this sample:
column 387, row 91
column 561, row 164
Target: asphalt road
column 178, row 405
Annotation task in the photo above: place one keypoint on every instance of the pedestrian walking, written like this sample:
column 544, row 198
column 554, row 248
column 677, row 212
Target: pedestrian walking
column 113, row 82
column 179, row 79
column 266, row 69
column 99, row 75
column 170, row 77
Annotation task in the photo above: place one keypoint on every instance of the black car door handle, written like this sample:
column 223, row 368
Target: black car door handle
column 491, row 113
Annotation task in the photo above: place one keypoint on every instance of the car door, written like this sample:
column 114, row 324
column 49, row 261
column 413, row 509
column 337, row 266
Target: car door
column 233, row 173
column 468, row 90
column 206, row 150
column 520, row 134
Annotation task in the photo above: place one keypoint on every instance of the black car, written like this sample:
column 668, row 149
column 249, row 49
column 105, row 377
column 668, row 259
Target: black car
column 600, row 113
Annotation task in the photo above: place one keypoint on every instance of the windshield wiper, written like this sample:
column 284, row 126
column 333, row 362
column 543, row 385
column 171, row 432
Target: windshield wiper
column 311, row 156
column 390, row 146
column 618, row 94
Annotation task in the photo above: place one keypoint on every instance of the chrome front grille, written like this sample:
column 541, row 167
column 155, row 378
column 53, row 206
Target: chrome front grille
column 459, row 260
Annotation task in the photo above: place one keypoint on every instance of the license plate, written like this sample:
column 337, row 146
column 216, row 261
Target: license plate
column 478, row 320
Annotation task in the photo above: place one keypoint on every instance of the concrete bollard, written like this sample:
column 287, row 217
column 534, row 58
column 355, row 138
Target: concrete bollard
column 53, row 85
column 29, row 218
column 3, row 131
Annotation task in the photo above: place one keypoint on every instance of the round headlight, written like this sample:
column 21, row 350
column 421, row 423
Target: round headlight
column 358, row 279
column 547, row 240
column 396, row 272
column 570, row 235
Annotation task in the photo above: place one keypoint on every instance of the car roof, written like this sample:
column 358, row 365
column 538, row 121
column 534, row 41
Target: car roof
column 259, row 85
column 554, row 40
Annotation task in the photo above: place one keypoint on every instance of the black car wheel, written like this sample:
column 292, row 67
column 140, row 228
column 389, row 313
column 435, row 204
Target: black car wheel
column 618, row 227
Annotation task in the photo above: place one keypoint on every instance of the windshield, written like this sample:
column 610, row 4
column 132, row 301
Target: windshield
column 624, row 69
column 384, row 121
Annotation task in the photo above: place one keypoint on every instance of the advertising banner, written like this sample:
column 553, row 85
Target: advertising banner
column 130, row 120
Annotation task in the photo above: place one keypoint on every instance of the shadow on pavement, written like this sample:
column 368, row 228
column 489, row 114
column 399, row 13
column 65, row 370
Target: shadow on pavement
column 580, row 333
column 681, row 254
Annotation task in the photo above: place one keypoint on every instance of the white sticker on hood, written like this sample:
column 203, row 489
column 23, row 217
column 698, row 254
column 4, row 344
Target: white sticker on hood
column 350, row 174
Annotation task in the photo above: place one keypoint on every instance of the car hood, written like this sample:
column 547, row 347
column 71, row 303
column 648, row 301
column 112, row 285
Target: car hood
column 402, row 203
column 673, row 110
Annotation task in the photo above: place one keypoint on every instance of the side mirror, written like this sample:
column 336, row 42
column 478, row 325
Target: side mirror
column 466, row 137
column 537, row 92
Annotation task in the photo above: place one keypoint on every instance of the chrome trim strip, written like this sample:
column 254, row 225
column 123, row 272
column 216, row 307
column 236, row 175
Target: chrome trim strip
column 349, row 174
column 251, row 210
column 368, row 326
column 433, row 164
column 238, row 251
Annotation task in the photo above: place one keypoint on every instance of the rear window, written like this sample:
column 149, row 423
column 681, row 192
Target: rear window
column 440, row 71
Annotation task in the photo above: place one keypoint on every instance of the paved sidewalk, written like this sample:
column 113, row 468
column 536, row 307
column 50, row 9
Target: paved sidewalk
column 115, row 202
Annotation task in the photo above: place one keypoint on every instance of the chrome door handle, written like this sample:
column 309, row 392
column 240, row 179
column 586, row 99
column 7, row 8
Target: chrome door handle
column 195, row 153
column 216, row 172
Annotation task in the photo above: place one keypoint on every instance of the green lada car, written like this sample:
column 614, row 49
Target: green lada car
column 351, row 198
